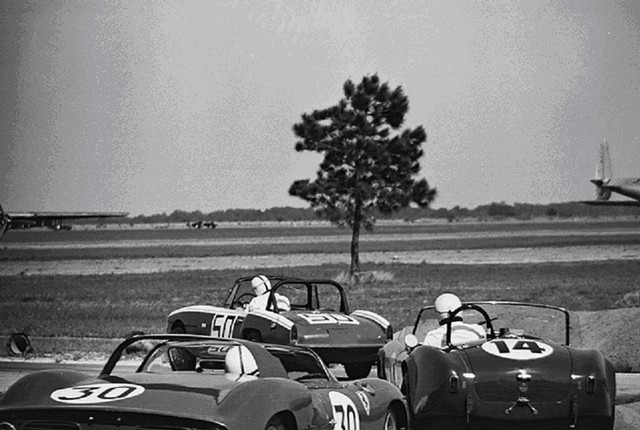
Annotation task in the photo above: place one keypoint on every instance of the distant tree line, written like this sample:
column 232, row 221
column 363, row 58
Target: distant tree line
column 493, row 211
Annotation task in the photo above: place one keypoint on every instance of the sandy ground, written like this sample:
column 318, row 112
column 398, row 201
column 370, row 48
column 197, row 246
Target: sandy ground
column 446, row 256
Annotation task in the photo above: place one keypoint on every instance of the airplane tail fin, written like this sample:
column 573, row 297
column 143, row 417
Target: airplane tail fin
column 5, row 220
column 604, row 173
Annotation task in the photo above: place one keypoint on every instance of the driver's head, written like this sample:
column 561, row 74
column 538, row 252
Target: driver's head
column 239, row 364
column 446, row 303
column 260, row 285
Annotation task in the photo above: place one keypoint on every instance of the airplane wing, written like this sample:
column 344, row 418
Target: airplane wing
column 54, row 220
column 611, row 202
column 29, row 216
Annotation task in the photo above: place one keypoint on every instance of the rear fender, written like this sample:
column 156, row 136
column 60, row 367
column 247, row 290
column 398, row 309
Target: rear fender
column 428, row 371
column 39, row 385
column 591, row 364
column 266, row 397
column 273, row 328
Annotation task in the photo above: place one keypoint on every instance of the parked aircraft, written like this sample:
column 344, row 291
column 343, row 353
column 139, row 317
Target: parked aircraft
column 606, row 183
column 52, row 220
column 202, row 224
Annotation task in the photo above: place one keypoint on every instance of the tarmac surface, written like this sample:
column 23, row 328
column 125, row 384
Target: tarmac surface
column 628, row 385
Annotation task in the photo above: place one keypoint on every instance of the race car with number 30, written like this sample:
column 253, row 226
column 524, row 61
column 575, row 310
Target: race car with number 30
column 524, row 375
column 319, row 318
column 189, row 382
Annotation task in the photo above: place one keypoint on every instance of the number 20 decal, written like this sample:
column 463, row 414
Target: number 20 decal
column 97, row 393
column 518, row 349
column 345, row 413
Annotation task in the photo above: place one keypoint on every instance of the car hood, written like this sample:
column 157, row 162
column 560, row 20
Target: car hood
column 503, row 369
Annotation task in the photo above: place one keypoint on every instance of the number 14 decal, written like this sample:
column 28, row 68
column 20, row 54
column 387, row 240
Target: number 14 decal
column 518, row 349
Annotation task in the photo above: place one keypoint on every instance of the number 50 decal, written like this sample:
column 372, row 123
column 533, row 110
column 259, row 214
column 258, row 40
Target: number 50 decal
column 345, row 413
column 222, row 325
column 97, row 393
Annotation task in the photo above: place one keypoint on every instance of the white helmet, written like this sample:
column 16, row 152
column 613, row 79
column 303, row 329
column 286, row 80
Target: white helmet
column 446, row 303
column 260, row 284
column 239, row 364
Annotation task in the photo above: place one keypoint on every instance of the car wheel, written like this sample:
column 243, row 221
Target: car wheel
column 178, row 328
column 275, row 423
column 390, row 420
column 253, row 336
column 358, row 370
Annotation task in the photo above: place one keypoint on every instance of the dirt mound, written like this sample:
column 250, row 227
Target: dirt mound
column 615, row 332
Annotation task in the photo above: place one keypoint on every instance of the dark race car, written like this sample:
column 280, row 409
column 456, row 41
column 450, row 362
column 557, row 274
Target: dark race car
column 523, row 375
column 319, row 318
column 193, row 382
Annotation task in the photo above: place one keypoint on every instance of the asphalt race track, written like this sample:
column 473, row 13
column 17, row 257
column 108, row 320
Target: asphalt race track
column 628, row 385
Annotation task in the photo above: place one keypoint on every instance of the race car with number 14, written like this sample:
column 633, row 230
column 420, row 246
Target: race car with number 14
column 524, row 375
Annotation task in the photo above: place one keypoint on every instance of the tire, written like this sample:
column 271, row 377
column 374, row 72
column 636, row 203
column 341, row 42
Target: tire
column 275, row 423
column 390, row 420
column 358, row 370
column 253, row 336
column 178, row 328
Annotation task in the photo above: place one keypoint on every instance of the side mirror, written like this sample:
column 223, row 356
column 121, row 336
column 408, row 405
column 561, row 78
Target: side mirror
column 410, row 341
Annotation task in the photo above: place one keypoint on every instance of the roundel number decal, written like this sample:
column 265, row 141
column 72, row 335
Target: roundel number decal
column 345, row 413
column 518, row 349
column 96, row 393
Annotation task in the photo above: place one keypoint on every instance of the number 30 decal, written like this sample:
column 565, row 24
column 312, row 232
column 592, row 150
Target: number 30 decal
column 345, row 414
column 518, row 349
column 97, row 393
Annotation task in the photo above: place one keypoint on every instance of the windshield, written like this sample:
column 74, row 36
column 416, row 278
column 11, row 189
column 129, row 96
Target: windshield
column 531, row 320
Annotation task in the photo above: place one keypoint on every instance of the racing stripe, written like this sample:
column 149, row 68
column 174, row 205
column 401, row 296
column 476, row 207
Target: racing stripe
column 371, row 316
column 278, row 319
column 208, row 309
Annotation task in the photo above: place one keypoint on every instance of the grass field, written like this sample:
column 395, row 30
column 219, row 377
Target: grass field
column 110, row 306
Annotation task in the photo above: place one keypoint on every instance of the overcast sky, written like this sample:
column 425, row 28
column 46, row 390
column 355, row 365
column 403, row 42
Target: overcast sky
column 151, row 106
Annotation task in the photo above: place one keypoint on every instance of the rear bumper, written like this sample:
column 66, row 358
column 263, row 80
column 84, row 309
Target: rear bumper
column 345, row 353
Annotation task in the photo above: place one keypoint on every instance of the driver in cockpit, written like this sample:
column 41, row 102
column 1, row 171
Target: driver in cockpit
column 461, row 332
column 261, row 287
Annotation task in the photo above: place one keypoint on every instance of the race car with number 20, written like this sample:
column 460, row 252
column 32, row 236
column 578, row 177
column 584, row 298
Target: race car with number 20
column 523, row 375
column 319, row 318
column 189, row 382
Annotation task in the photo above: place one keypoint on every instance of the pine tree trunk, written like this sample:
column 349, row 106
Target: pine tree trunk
column 355, row 239
column 355, row 256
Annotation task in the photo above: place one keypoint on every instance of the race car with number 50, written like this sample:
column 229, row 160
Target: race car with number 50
column 522, row 375
column 190, row 382
column 319, row 318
